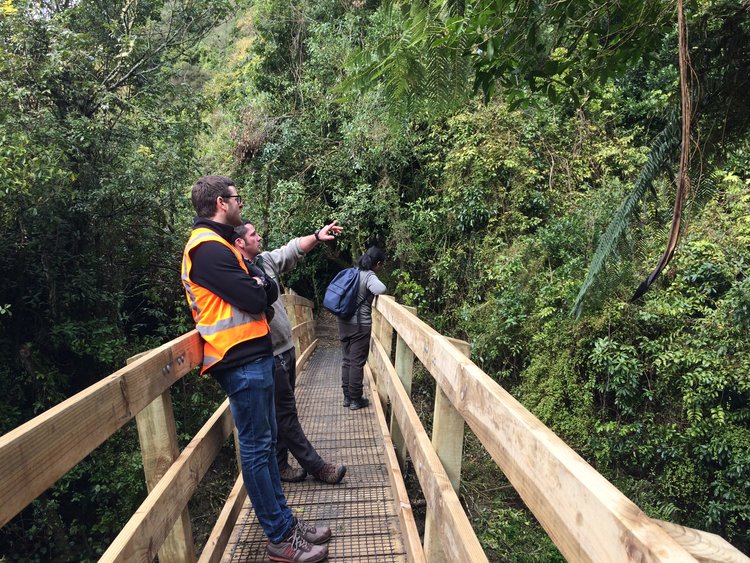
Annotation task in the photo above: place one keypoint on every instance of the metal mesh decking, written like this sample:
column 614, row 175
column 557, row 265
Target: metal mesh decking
column 360, row 509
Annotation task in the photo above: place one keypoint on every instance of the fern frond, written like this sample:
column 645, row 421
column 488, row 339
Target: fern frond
column 422, row 62
column 664, row 144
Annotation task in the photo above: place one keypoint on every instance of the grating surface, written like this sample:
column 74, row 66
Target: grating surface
column 360, row 509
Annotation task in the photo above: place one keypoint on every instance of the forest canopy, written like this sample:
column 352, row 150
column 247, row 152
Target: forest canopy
column 487, row 146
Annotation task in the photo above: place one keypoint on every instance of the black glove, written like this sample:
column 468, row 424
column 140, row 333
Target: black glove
column 271, row 287
column 270, row 312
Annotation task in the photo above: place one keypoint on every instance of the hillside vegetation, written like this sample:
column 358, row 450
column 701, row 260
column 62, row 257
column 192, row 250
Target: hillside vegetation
column 486, row 146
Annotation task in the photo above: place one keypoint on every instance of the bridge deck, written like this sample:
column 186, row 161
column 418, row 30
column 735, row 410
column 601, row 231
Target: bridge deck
column 360, row 509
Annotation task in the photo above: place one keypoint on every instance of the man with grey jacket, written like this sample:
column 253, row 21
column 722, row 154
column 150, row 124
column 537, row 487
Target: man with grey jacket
column 291, row 437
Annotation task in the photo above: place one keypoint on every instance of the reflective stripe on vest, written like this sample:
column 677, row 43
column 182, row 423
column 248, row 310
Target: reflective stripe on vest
column 220, row 324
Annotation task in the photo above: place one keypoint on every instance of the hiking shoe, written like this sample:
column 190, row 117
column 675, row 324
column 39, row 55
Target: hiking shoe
column 360, row 403
column 296, row 548
column 292, row 475
column 347, row 401
column 313, row 534
column 330, row 473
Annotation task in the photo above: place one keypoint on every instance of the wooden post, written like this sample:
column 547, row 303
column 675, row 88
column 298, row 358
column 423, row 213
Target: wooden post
column 384, row 335
column 311, row 327
column 294, row 320
column 304, row 341
column 299, row 315
column 376, row 319
column 290, row 308
column 237, row 454
column 405, row 370
column 299, row 339
column 448, row 441
column 157, row 435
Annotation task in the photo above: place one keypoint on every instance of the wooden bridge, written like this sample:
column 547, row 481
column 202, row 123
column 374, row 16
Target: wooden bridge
column 369, row 512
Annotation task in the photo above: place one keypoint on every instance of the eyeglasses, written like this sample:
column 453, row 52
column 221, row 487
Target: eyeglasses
column 239, row 198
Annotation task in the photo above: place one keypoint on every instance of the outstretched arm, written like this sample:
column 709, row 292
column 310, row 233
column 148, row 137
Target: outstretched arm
column 285, row 258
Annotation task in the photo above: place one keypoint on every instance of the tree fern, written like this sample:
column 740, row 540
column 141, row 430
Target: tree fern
column 664, row 144
column 420, row 59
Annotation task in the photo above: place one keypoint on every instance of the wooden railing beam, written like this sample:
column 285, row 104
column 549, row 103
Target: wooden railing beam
column 218, row 540
column 585, row 516
column 39, row 452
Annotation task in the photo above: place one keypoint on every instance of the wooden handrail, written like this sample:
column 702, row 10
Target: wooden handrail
column 586, row 516
column 39, row 452
column 36, row 454
column 219, row 538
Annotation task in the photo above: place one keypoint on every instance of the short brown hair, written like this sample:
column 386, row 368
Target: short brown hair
column 205, row 191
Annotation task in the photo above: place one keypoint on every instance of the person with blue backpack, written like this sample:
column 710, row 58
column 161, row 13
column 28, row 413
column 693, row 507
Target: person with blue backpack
column 355, row 328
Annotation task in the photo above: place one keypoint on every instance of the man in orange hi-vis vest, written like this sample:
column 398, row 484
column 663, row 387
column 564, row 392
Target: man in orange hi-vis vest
column 228, row 301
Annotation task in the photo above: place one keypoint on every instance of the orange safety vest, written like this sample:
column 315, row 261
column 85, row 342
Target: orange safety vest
column 221, row 324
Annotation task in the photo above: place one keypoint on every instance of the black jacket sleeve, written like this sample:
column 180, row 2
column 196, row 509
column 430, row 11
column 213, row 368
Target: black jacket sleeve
column 269, row 285
column 216, row 268
column 271, row 288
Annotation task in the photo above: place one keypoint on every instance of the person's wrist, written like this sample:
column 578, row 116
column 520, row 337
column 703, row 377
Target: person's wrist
column 317, row 234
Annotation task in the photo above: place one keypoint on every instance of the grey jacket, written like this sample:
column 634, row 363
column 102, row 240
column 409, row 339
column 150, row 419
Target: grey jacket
column 274, row 263
column 369, row 285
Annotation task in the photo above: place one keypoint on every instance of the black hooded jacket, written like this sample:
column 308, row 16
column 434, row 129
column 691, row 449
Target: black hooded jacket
column 216, row 268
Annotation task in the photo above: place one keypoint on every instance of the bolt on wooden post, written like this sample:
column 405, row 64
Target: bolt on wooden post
column 157, row 434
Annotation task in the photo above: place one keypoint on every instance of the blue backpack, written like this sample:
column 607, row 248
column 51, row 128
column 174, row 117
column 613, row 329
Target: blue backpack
column 341, row 294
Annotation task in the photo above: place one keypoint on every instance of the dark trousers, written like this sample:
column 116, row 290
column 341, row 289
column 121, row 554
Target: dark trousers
column 355, row 346
column 291, row 437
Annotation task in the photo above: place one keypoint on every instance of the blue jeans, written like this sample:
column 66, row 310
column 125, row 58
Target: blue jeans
column 250, row 390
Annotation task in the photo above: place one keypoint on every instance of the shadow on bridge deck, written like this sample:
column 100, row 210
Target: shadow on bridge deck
column 360, row 509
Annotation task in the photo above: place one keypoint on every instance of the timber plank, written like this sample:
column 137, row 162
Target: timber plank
column 584, row 514
column 36, row 454
column 292, row 299
column 217, row 541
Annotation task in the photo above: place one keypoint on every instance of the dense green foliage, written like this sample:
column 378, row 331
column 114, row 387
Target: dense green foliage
column 98, row 135
column 490, row 213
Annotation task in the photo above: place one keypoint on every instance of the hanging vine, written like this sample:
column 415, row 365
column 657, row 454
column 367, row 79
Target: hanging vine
column 683, row 179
